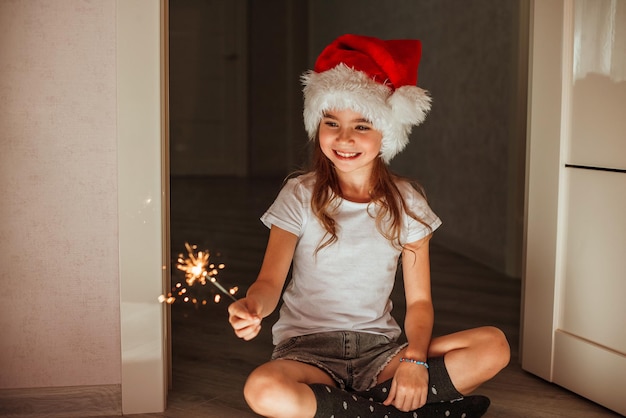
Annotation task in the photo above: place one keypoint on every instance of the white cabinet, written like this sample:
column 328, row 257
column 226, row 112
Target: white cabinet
column 574, row 319
column 590, row 322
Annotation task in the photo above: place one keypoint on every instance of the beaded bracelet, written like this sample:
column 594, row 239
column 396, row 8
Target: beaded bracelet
column 410, row 360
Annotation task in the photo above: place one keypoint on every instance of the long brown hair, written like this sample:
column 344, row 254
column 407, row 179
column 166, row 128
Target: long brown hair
column 384, row 194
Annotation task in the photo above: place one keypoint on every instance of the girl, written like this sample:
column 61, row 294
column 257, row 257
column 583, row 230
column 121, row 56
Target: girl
column 343, row 227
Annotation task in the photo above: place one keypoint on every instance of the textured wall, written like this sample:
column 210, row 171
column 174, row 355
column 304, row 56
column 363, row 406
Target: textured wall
column 467, row 153
column 58, row 213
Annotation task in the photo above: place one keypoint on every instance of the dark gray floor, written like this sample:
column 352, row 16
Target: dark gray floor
column 210, row 364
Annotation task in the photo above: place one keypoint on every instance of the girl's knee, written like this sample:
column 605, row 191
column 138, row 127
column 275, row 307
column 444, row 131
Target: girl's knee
column 496, row 346
column 261, row 390
column 269, row 391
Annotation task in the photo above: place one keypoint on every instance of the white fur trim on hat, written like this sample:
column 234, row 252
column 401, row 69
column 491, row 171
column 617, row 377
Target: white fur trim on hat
column 394, row 113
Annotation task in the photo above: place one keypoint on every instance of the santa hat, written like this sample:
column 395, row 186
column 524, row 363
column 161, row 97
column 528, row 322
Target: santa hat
column 373, row 77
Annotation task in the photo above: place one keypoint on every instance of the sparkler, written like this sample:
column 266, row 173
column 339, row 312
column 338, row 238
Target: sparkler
column 197, row 270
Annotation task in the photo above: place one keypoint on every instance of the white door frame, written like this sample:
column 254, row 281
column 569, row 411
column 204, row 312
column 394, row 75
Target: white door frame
column 142, row 203
column 543, row 179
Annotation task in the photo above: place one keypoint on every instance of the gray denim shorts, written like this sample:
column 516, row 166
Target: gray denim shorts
column 353, row 359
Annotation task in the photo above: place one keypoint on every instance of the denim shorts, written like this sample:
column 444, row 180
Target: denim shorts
column 353, row 359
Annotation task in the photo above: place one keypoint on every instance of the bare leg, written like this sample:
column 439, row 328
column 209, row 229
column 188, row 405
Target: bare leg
column 474, row 356
column 279, row 389
column 471, row 357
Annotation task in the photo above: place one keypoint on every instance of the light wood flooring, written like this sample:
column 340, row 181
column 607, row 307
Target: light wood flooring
column 210, row 364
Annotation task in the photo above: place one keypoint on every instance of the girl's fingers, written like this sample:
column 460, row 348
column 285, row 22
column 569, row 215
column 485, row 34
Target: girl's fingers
column 249, row 333
column 245, row 329
column 245, row 324
column 240, row 324
column 403, row 400
column 238, row 310
column 400, row 400
column 392, row 394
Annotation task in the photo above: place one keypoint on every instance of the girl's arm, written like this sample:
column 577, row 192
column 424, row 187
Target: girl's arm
column 419, row 319
column 410, row 384
column 262, row 297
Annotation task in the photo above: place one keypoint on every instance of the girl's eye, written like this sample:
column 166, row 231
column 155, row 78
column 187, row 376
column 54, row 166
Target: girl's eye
column 362, row 128
column 330, row 123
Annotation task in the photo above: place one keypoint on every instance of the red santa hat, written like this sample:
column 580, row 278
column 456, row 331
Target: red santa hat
column 373, row 77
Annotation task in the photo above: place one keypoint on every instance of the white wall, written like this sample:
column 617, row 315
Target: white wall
column 60, row 310
column 82, row 230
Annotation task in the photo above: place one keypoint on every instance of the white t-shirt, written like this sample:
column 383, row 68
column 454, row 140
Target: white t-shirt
column 346, row 285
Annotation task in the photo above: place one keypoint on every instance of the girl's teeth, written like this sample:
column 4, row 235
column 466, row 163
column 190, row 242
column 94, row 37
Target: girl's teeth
column 346, row 154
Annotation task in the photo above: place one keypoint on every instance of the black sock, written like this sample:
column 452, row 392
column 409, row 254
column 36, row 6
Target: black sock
column 440, row 387
column 337, row 403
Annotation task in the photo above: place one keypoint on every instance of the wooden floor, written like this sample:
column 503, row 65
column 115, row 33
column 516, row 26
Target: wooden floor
column 210, row 364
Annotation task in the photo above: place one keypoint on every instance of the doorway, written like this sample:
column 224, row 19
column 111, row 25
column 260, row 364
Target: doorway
column 208, row 88
column 235, row 132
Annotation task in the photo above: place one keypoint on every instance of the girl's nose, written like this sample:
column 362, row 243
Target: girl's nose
column 344, row 135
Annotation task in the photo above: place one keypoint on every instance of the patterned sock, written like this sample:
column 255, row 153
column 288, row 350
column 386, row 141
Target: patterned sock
column 337, row 403
column 440, row 385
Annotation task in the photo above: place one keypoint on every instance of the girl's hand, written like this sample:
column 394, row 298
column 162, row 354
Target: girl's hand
column 244, row 319
column 409, row 387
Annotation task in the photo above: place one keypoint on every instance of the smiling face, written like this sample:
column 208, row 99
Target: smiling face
column 349, row 141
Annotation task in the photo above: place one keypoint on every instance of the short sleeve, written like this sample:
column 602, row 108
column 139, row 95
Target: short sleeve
column 289, row 210
column 417, row 203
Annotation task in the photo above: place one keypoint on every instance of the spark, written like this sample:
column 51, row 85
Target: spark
column 197, row 270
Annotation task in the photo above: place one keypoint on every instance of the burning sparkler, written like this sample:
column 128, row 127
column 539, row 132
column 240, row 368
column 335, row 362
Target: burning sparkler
column 197, row 270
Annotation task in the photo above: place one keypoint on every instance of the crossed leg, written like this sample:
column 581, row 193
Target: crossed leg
column 280, row 389
column 471, row 357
